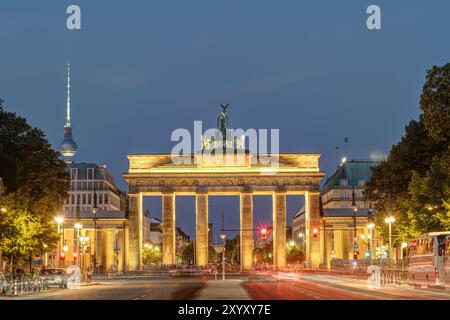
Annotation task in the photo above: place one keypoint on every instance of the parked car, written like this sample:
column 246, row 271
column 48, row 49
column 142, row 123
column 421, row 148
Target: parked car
column 54, row 277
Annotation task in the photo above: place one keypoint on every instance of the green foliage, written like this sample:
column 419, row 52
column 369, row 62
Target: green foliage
column 150, row 255
column 413, row 183
column 36, row 183
column 435, row 103
column 294, row 254
column 232, row 250
column 187, row 257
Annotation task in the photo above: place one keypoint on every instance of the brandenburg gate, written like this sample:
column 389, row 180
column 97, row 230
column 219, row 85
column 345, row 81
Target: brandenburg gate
column 156, row 174
column 202, row 175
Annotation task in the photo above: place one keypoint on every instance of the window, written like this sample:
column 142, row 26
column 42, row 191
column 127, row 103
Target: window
column 72, row 199
column 100, row 198
column 84, row 199
column 89, row 199
column 84, row 185
column 343, row 182
column 90, row 185
column 73, row 173
column 106, row 198
column 90, row 173
column 361, row 183
column 78, row 199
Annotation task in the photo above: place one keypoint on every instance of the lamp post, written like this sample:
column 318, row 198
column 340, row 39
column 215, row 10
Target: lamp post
column 370, row 226
column 83, row 242
column 223, row 236
column 78, row 227
column 59, row 220
column 94, row 210
column 389, row 220
column 355, row 235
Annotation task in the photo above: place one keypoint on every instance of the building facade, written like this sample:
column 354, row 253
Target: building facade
column 91, row 185
column 345, row 217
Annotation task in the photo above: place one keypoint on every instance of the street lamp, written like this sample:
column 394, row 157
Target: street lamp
column 370, row 226
column 78, row 227
column 355, row 236
column 94, row 210
column 83, row 242
column 59, row 220
column 223, row 236
column 389, row 220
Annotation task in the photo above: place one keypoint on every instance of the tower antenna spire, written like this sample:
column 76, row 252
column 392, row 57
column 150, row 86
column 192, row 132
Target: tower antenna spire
column 68, row 96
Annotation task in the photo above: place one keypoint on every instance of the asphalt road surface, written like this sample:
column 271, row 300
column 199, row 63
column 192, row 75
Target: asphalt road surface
column 259, row 287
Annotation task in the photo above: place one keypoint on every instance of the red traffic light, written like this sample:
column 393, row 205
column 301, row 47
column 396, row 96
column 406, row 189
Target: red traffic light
column 263, row 231
column 315, row 231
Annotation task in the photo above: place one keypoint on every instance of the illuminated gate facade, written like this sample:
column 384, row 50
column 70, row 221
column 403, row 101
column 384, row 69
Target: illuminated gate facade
column 159, row 175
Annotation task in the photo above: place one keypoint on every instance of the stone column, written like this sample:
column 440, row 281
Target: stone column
column 329, row 247
column 246, row 226
column 312, row 220
column 279, row 229
column 126, row 235
column 168, row 228
column 135, row 231
column 201, row 237
column 337, row 244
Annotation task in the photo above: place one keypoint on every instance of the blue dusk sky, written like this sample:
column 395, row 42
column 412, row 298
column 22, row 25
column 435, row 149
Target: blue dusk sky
column 141, row 69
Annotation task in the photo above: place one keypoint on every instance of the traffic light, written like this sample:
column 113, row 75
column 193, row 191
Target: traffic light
column 315, row 231
column 263, row 232
column 62, row 256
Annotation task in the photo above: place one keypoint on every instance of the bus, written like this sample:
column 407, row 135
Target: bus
column 429, row 260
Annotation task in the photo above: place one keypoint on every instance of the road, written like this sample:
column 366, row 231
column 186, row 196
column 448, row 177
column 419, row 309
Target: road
column 332, row 287
column 258, row 287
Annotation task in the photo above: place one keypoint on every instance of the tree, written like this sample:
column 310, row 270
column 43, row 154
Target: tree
column 435, row 103
column 36, row 183
column 413, row 183
column 294, row 254
column 151, row 255
column 187, row 256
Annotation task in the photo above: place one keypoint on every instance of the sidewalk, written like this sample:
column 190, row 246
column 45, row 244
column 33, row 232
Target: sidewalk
column 224, row 290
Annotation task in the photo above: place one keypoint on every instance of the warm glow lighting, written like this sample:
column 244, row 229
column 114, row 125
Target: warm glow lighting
column 363, row 236
column 292, row 243
column 371, row 225
column 157, row 249
column 78, row 225
column 65, row 248
column 3, row 209
column 404, row 245
column 300, row 235
column 59, row 220
column 344, row 159
column 389, row 219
